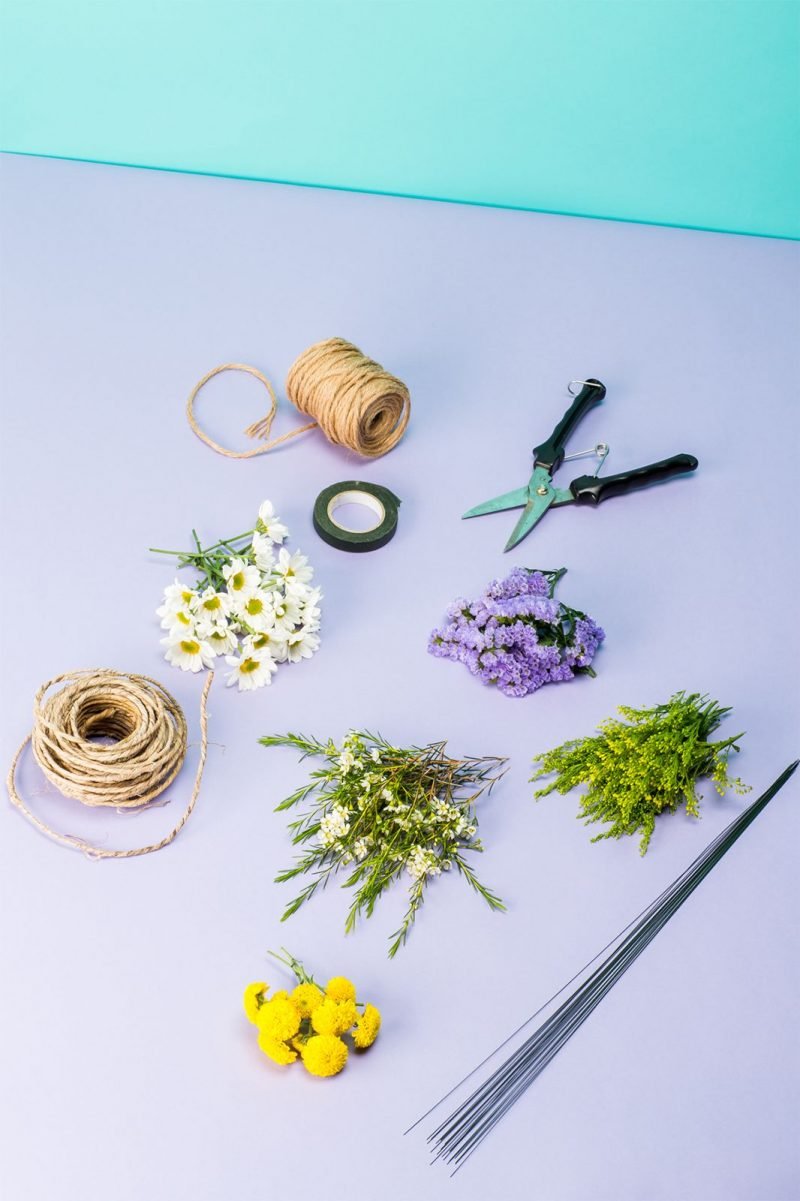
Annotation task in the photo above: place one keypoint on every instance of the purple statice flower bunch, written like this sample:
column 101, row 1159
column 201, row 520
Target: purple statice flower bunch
column 517, row 635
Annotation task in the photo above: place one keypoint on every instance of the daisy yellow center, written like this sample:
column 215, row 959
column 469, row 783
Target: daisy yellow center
column 190, row 647
column 260, row 642
column 212, row 604
column 254, row 606
column 186, row 597
column 183, row 618
column 237, row 579
column 247, row 666
column 289, row 571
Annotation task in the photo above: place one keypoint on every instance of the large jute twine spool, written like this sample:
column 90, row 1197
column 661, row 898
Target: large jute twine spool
column 351, row 398
column 109, row 739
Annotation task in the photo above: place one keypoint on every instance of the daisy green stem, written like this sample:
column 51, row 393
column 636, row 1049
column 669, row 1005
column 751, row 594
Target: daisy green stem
column 236, row 538
column 224, row 542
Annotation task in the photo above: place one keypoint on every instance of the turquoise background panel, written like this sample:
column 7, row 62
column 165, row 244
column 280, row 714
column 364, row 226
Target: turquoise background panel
column 682, row 112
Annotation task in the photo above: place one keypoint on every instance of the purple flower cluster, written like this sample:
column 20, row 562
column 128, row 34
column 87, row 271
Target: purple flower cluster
column 517, row 636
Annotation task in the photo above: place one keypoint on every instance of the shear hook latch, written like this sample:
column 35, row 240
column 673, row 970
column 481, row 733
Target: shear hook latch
column 584, row 383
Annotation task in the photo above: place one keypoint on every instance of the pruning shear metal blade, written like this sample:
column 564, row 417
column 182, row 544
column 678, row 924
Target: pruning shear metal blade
column 509, row 500
column 536, row 507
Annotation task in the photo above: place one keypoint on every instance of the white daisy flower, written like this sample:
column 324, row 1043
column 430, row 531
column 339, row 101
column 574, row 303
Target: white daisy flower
column 178, row 596
column 221, row 639
column 286, row 613
column 250, row 671
column 301, row 645
column 293, row 569
column 269, row 524
column 190, row 654
column 310, row 610
column 240, row 577
column 263, row 551
column 212, row 608
column 177, row 621
column 256, row 610
column 267, row 642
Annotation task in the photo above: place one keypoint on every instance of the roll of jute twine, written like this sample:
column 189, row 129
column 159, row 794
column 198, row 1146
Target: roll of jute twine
column 109, row 739
column 351, row 398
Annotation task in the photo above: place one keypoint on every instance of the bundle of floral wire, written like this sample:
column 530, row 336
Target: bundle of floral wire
column 380, row 811
column 456, row 1138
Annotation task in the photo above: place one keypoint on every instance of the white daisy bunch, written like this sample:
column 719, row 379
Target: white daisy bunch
column 253, row 605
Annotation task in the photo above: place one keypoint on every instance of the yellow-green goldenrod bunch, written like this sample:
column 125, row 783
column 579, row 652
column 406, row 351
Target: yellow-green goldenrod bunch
column 649, row 764
column 311, row 1022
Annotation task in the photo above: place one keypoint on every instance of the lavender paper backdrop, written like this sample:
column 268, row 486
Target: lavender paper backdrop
column 128, row 1071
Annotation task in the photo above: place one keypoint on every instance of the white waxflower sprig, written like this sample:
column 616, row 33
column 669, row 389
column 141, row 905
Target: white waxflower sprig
column 253, row 605
column 382, row 813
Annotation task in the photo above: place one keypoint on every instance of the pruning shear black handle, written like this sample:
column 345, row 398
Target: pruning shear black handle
column 591, row 489
column 551, row 453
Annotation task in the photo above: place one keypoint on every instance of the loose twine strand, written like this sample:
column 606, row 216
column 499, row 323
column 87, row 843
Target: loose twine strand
column 353, row 400
column 145, row 744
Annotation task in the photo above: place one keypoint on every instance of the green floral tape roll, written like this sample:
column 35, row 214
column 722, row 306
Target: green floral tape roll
column 378, row 500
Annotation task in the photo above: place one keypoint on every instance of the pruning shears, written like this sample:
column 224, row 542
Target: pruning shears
column 540, row 494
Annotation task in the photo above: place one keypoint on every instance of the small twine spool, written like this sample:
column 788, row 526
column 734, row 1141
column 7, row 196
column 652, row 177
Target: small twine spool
column 107, row 738
column 352, row 399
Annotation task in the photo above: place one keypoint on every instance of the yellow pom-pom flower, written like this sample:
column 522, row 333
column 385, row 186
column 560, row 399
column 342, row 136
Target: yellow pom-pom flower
column 339, row 988
column 279, row 1019
column 254, row 997
column 307, row 997
column 367, row 1027
column 310, row 1023
column 275, row 1049
column 334, row 1017
column 324, row 1055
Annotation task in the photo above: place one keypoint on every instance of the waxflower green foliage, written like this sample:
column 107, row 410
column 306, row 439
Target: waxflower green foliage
column 380, row 812
column 643, row 766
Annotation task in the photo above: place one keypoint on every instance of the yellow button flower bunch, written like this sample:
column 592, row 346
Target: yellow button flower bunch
column 310, row 1022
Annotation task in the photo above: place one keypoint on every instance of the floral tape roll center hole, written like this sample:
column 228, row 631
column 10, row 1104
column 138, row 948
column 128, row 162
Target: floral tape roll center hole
column 356, row 512
column 354, row 515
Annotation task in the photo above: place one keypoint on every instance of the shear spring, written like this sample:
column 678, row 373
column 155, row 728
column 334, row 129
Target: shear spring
column 600, row 450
